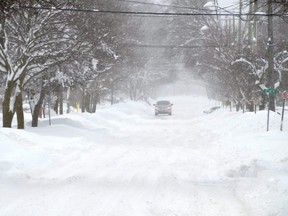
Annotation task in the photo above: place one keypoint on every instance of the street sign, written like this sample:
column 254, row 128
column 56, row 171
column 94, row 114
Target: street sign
column 245, row 101
column 273, row 91
column 256, row 101
column 285, row 95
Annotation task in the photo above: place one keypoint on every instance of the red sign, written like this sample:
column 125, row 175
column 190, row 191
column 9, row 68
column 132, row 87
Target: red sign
column 244, row 101
column 285, row 95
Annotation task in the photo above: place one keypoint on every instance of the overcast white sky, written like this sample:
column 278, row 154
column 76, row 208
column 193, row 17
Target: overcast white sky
column 222, row 3
column 225, row 3
column 230, row 5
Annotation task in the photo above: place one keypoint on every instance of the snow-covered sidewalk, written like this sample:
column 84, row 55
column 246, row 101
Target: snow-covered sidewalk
column 124, row 161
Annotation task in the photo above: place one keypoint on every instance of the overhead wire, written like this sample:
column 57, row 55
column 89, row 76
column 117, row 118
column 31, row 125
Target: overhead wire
column 164, row 5
column 174, row 46
column 140, row 13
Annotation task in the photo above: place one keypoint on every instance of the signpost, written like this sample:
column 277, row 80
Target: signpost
column 256, row 101
column 269, row 91
column 244, row 101
column 284, row 96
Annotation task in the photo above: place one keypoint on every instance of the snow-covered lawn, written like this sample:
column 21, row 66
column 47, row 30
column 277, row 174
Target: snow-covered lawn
column 124, row 161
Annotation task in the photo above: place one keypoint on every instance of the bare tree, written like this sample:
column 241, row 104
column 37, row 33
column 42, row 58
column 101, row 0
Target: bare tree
column 34, row 40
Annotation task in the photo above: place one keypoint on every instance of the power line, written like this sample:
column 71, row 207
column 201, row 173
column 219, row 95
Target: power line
column 165, row 5
column 225, row 9
column 142, row 13
column 174, row 46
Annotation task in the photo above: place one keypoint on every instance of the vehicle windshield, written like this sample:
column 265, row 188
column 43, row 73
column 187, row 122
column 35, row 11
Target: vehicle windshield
column 163, row 103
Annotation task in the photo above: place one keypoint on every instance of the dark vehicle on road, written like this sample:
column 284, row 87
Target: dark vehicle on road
column 163, row 107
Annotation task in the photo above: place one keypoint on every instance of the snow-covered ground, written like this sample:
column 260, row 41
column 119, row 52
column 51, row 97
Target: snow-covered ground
column 124, row 161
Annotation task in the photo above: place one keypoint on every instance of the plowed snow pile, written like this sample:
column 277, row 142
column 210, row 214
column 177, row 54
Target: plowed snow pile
column 124, row 161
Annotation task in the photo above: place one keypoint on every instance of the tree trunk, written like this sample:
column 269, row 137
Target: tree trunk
column 37, row 108
column 87, row 102
column 43, row 110
column 83, row 101
column 60, row 94
column 130, row 94
column 133, row 93
column 238, row 106
column 19, row 111
column 7, row 113
column 263, row 102
column 68, row 106
column 18, row 106
column 56, row 105
column 250, row 107
column 95, row 100
column 40, row 112
column 112, row 93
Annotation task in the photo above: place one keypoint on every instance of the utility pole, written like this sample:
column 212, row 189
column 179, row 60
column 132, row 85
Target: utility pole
column 240, row 26
column 250, row 32
column 216, row 6
column 252, row 26
column 255, row 4
column 270, row 74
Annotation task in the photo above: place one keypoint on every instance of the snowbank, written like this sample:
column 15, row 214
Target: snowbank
column 125, row 161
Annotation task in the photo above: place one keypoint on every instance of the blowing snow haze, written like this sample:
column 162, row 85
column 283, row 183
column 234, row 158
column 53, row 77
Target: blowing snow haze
column 136, row 108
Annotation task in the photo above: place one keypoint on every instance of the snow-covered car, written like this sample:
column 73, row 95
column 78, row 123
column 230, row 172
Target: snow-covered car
column 163, row 107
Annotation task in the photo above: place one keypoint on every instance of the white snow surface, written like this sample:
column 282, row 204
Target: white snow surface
column 124, row 161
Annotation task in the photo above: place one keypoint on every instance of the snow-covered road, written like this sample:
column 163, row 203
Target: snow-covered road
column 124, row 161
